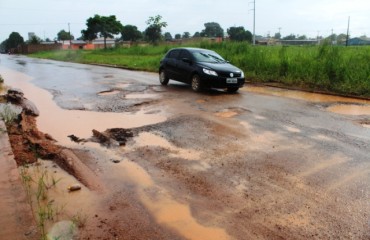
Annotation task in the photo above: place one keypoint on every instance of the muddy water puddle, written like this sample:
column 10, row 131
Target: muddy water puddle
column 352, row 106
column 60, row 123
column 152, row 139
column 350, row 109
column 162, row 205
column 166, row 210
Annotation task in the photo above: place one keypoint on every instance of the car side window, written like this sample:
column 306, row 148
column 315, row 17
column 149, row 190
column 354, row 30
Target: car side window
column 185, row 54
column 173, row 54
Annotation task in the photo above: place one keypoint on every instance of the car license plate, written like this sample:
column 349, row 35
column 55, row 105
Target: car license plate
column 231, row 80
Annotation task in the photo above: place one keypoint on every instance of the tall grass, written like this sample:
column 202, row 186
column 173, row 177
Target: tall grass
column 325, row 67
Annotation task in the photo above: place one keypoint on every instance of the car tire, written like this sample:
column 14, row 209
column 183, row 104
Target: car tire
column 232, row 89
column 163, row 79
column 196, row 83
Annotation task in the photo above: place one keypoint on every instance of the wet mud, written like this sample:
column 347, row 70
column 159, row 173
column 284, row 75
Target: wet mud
column 184, row 165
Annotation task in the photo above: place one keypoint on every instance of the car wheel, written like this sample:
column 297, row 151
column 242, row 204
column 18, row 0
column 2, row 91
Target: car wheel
column 196, row 83
column 232, row 89
column 163, row 79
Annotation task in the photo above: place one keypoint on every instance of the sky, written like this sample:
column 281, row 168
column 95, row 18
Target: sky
column 312, row 18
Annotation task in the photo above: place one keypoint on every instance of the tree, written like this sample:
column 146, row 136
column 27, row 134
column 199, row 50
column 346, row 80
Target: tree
column 186, row 35
column 212, row 29
column 168, row 36
column 13, row 41
column 154, row 30
column 341, row 38
column 277, row 35
column 102, row 25
column 239, row 34
column 3, row 47
column 303, row 37
column 178, row 36
column 63, row 35
column 290, row 37
column 130, row 33
column 34, row 40
column 196, row 35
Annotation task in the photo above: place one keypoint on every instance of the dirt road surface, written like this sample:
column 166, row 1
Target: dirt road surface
column 264, row 163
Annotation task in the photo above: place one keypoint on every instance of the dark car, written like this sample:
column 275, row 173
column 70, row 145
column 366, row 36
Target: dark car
column 201, row 68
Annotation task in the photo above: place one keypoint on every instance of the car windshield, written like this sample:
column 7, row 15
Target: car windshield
column 210, row 57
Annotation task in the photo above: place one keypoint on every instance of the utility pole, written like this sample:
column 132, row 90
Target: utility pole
column 332, row 36
column 69, row 33
column 254, row 22
column 349, row 18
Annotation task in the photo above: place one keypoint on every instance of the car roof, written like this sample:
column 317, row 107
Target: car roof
column 192, row 49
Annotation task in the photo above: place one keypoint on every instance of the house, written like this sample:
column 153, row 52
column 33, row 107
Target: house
column 298, row 42
column 73, row 44
column 359, row 41
column 94, row 44
column 99, row 43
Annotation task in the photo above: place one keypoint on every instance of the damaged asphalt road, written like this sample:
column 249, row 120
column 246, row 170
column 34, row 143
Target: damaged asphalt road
column 212, row 165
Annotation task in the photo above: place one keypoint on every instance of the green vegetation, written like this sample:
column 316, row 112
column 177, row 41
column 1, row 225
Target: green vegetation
column 339, row 69
column 37, row 184
column 8, row 113
column 1, row 83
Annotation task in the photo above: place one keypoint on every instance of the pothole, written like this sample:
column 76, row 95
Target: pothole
column 230, row 112
column 365, row 123
column 141, row 96
column 350, row 109
column 108, row 92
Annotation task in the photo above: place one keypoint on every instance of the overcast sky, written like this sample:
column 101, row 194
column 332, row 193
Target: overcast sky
column 47, row 17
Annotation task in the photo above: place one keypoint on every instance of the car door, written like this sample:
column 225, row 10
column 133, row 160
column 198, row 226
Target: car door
column 171, row 64
column 184, row 65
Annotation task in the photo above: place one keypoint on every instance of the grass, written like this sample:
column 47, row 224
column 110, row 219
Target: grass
column 8, row 113
column 337, row 69
column 37, row 185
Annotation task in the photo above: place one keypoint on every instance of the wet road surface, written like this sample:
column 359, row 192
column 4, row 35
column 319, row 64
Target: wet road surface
column 265, row 163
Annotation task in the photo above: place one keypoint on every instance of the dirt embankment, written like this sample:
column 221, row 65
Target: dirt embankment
column 29, row 144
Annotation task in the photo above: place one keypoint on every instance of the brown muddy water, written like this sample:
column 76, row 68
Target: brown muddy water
column 60, row 123
column 341, row 105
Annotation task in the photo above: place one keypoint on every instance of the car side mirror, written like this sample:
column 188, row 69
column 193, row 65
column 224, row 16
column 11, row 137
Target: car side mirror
column 187, row 60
